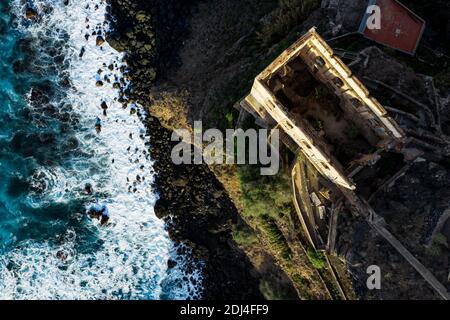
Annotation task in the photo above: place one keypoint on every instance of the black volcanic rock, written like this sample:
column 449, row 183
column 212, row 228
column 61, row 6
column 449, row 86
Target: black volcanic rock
column 149, row 33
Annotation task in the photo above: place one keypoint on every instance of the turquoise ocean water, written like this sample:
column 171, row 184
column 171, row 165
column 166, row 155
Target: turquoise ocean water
column 49, row 152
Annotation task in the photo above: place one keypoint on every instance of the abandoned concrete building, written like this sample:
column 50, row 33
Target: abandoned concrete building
column 338, row 133
column 314, row 98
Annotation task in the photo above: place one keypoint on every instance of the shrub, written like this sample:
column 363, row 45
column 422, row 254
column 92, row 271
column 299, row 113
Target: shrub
column 245, row 237
column 316, row 258
column 275, row 237
column 270, row 195
column 298, row 279
column 230, row 120
column 290, row 14
column 439, row 246
column 440, row 240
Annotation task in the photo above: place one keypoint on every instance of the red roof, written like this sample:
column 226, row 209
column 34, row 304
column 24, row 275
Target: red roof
column 401, row 28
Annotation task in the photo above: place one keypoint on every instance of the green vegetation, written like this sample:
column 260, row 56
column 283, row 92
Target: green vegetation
column 316, row 258
column 271, row 289
column 317, row 124
column 298, row 279
column 230, row 119
column 440, row 240
column 290, row 14
column 245, row 237
column 275, row 237
column 269, row 195
column 267, row 290
column 439, row 246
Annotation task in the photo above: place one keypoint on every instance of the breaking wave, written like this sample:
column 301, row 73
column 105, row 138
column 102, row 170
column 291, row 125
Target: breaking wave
column 50, row 248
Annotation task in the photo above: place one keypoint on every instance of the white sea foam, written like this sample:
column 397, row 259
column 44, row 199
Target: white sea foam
column 132, row 260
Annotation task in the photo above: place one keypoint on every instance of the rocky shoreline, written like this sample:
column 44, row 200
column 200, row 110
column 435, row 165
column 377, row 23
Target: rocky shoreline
column 218, row 59
column 197, row 209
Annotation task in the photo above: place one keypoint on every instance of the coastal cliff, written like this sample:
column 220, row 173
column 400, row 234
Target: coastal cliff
column 215, row 211
column 195, row 206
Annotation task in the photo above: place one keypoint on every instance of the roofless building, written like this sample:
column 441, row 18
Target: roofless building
column 311, row 95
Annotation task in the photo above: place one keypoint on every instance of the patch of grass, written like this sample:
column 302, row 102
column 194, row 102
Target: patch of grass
column 439, row 246
column 434, row 251
column 440, row 240
column 230, row 120
column 317, row 125
column 290, row 14
column 245, row 237
column 303, row 285
column 298, row 279
column 269, row 195
column 275, row 237
column 316, row 258
column 269, row 291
